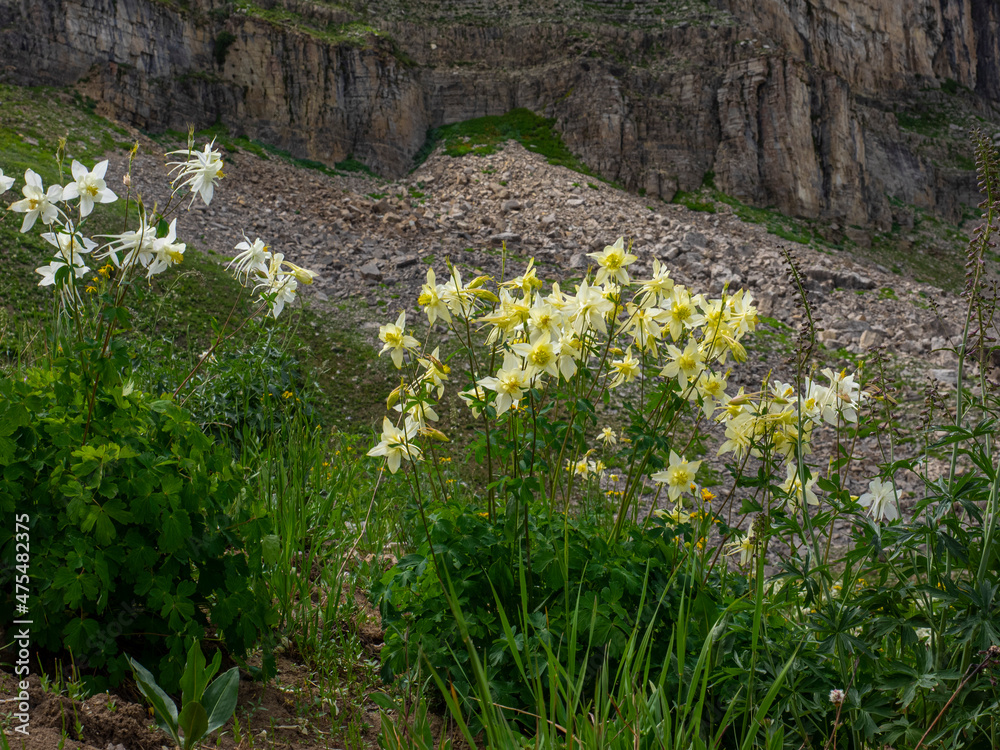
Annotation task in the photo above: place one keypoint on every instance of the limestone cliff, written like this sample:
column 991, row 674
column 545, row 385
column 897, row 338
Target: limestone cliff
column 820, row 108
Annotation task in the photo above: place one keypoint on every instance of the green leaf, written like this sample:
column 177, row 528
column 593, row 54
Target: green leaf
column 220, row 699
column 164, row 708
column 7, row 450
column 193, row 680
column 160, row 406
column 193, row 722
column 171, row 484
column 176, row 529
column 383, row 701
column 69, row 581
column 270, row 549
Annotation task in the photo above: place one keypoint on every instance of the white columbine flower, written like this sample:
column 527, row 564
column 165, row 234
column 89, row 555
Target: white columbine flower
column 588, row 308
column 200, row 172
column 277, row 286
column 579, row 468
column 607, row 436
column 137, row 245
column 37, row 202
column 435, row 372
column 796, row 493
column 89, row 187
column 881, row 500
column 541, row 355
column 71, row 246
column 48, row 272
column 255, row 257
column 849, row 395
column 5, row 182
column 166, row 252
column 684, row 365
column 659, row 288
column 626, row 369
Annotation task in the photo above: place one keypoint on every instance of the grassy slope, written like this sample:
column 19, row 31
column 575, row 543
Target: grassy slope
column 175, row 316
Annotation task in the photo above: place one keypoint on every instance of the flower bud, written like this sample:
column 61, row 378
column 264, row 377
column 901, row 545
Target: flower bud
column 434, row 434
column 478, row 282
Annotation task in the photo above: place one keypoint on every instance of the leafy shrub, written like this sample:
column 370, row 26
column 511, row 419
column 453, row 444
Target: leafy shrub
column 134, row 549
column 583, row 594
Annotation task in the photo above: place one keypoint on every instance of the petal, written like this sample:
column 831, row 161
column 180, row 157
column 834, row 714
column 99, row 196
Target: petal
column 99, row 169
column 79, row 171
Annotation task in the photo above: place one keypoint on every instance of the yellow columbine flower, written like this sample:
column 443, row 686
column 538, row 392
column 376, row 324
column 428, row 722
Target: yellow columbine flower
column 743, row 545
column 431, row 299
column 607, row 436
column 396, row 444
column 684, row 365
column 613, row 262
column 396, row 341
column 678, row 476
column 626, row 369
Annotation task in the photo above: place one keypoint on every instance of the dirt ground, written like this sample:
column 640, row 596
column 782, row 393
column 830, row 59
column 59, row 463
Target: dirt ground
column 275, row 715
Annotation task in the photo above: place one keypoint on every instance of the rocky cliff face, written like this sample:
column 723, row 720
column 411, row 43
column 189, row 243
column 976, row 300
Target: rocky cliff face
column 820, row 108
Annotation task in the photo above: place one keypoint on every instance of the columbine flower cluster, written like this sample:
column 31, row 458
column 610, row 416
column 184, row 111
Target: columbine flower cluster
column 781, row 422
column 624, row 330
column 152, row 245
column 275, row 279
column 630, row 329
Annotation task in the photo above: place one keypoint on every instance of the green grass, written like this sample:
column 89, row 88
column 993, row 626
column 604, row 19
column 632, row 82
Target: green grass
column 354, row 33
column 486, row 135
column 234, row 144
column 933, row 253
column 694, row 202
column 929, row 122
column 887, row 292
